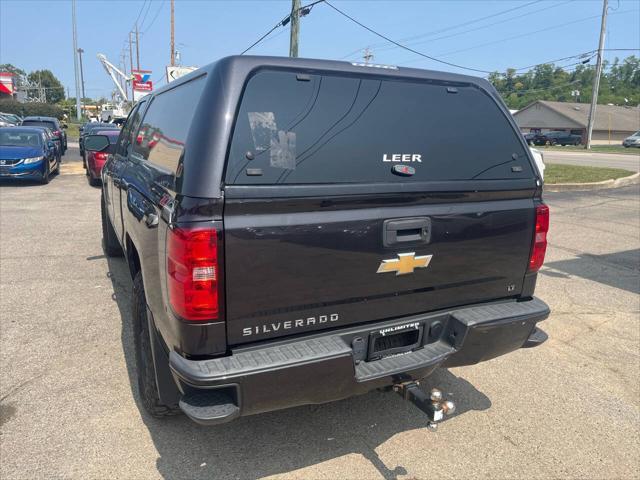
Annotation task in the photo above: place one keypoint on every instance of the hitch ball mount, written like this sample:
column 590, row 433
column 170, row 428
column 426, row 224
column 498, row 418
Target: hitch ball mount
column 433, row 404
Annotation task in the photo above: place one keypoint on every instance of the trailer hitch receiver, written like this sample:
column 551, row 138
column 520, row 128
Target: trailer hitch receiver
column 432, row 404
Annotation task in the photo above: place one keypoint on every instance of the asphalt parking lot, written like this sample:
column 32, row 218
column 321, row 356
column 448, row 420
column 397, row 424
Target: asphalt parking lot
column 70, row 407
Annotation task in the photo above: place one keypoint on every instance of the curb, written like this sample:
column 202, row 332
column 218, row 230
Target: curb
column 568, row 187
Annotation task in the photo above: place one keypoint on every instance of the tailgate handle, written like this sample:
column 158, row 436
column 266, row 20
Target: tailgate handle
column 406, row 230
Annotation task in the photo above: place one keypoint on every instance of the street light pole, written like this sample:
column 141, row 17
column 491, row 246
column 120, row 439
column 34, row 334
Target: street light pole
column 75, row 58
column 80, row 52
column 596, row 80
column 131, row 61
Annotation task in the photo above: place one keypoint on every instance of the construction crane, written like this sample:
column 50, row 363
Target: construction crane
column 112, row 70
column 112, row 112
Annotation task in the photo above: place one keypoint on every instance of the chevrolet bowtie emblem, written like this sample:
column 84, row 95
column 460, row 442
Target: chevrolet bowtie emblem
column 405, row 263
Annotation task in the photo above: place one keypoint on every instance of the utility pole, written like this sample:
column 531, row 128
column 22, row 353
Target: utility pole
column 596, row 80
column 75, row 58
column 172, row 61
column 131, row 62
column 80, row 52
column 368, row 56
column 295, row 28
column 137, row 48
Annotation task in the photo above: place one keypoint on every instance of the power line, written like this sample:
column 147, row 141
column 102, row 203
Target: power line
column 144, row 17
column 279, row 24
column 562, row 25
column 153, row 20
column 469, row 22
column 139, row 13
column 529, row 67
column 480, row 27
column 401, row 45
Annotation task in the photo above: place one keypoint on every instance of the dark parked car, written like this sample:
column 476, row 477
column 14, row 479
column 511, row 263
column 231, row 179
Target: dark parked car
column 557, row 138
column 27, row 153
column 299, row 231
column 51, row 123
column 99, row 146
column 529, row 137
column 90, row 128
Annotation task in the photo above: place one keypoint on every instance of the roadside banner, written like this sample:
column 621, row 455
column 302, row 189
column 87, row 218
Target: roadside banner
column 142, row 84
column 176, row 72
column 7, row 83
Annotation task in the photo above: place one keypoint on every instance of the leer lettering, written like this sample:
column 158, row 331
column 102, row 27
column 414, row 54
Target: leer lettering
column 402, row 157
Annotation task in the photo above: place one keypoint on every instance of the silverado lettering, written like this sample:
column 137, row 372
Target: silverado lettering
column 289, row 324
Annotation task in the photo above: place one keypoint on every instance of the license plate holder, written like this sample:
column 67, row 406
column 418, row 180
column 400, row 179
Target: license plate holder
column 394, row 340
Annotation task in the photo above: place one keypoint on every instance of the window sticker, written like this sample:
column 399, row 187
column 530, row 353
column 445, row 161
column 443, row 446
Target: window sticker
column 283, row 150
column 263, row 129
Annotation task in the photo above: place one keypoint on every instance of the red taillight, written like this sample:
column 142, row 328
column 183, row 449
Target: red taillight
column 540, row 238
column 56, row 133
column 192, row 273
column 101, row 156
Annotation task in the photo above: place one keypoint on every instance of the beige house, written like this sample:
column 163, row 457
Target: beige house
column 612, row 125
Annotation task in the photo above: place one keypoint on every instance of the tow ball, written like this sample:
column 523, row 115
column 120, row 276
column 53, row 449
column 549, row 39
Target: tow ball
column 433, row 404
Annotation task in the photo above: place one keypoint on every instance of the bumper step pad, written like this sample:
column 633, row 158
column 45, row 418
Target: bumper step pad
column 209, row 407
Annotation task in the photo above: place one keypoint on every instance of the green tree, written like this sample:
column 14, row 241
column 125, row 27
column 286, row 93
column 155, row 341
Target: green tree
column 53, row 88
column 619, row 85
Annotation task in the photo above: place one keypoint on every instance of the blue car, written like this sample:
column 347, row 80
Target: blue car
column 27, row 153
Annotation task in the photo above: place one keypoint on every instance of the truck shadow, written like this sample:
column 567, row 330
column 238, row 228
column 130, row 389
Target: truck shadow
column 283, row 441
column 619, row 269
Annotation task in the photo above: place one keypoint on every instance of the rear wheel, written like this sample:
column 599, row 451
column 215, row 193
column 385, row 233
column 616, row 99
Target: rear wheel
column 109, row 240
column 147, row 386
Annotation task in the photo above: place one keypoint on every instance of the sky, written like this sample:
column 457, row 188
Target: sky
column 483, row 35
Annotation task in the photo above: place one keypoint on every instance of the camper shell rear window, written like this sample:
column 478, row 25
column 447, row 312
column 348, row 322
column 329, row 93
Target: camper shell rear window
column 301, row 128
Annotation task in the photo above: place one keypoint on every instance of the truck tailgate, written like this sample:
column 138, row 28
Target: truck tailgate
column 301, row 264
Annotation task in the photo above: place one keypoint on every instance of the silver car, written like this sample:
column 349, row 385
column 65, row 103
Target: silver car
column 632, row 141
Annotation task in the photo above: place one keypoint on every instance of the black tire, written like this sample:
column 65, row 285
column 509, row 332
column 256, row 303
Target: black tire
column 57, row 170
column 146, row 371
column 109, row 240
column 45, row 173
